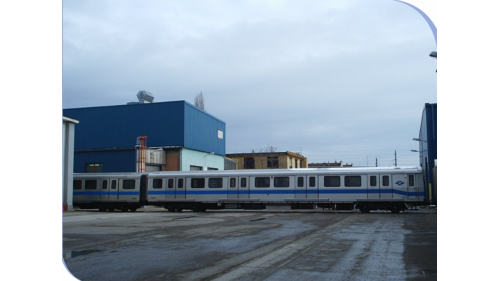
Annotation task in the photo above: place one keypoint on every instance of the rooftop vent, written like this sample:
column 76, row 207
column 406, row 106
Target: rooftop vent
column 145, row 97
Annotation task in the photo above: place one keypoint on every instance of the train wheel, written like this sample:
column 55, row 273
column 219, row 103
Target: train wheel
column 178, row 210
column 171, row 209
column 111, row 209
column 124, row 208
column 102, row 209
column 133, row 209
column 365, row 210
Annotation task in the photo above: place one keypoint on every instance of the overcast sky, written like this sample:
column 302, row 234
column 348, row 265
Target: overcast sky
column 334, row 80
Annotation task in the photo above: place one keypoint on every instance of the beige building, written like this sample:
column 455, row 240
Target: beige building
column 268, row 160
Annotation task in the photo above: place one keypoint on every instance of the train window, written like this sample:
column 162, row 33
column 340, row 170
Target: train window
column 352, row 181
column 332, row 181
column 157, row 183
column 262, row 182
column 215, row 182
column 232, row 182
column 170, row 183
column 90, row 184
column 128, row 184
column 281, row 182
column 113, row 184
column 104, row 184
column 411, row 180
column 300, row 182
column 385, row 180
column 312, row 181
column 373, row 180
column 243, row 182
column 77, row 184
column 180, row 183
column 198, row 183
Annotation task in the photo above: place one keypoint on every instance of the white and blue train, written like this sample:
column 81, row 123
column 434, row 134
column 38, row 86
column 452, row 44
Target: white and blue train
column 393, row 188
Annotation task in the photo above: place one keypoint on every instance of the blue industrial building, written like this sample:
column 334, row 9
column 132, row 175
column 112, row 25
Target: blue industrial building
column 428, row 150
column 179, row 135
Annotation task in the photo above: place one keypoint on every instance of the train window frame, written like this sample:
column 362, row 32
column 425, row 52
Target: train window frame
column 281, row 182
column 312, row 181
column 243, row 183
column 331, row 181
column 155, row 183
column 300, row 182
column 170, row 183
column 215, row 182
column 180, row 183
column 113, row 184
column 353, row 181
column 197, row 182
column 411, row 180
column 77, row 184
column 385, row 180
column 373, row 180
column 90, row 184
column 105, row 184
column 128, row 184
column 232, row 182
column 262, row 182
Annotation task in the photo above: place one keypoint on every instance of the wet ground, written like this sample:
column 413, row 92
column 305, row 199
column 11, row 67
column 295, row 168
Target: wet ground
column 152, row 244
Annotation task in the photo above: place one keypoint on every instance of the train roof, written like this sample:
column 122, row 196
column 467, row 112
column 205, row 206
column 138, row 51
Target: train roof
column 264, row 172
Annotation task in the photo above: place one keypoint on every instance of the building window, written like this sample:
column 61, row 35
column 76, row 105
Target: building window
column 93, row 168
column 332, row 181
column 352, row 181
column 249, row 163
column 281, row 182
column 220, row 134
column 272, row 162
column 198, row 183
column 196, row 168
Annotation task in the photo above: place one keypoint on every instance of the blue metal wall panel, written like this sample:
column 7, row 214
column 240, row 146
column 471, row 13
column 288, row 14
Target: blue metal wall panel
column 113, row 161
column 201, row 131
column 428, row 148
column 119, row 126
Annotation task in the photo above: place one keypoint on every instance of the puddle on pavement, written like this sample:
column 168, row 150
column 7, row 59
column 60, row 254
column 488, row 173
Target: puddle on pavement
column 72, row 254
column 259, row 219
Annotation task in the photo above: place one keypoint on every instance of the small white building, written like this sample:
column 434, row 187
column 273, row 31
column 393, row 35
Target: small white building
column 68, row 149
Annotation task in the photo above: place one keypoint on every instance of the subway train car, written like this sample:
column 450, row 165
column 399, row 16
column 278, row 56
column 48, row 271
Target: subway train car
column 366, row 189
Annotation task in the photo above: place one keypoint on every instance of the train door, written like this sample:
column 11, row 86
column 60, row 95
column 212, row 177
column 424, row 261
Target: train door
column 170, row 190
column 412, row 188
column 400, row 185
column 156, row 189
column 243, row 189
column 385, row 183
column 232, row 191
column 300, row 187
column 373, row 188
column 312, row 187
column 180, row 188
column 104, row 190
column 113, row 194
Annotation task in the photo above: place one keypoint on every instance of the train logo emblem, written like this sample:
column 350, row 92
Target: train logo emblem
column 400, row 183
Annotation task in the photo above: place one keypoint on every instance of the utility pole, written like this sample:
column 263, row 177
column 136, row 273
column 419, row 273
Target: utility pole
column 376, row 162
column 395, row 158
